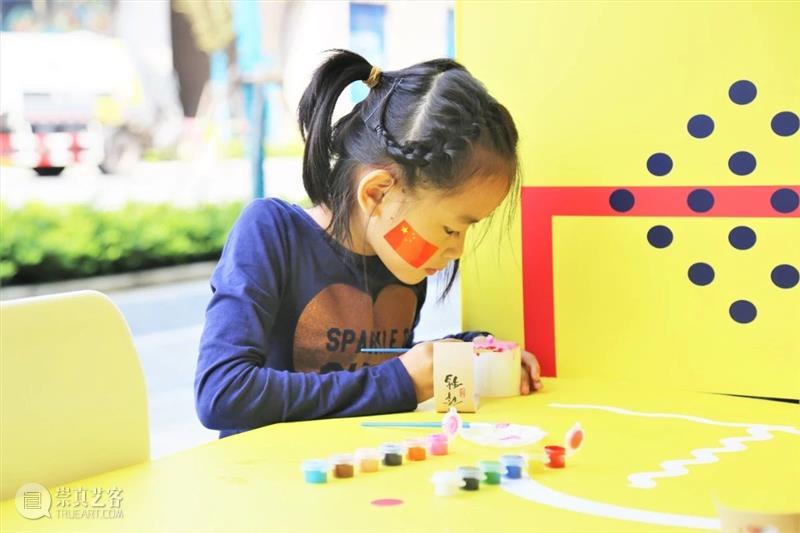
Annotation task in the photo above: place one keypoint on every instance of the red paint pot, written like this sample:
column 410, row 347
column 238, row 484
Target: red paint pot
column 556, row 456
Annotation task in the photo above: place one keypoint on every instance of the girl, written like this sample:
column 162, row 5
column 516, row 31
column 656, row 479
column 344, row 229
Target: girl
column 395, row 185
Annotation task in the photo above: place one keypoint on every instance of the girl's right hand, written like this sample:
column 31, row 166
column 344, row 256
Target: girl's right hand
column 419, row 364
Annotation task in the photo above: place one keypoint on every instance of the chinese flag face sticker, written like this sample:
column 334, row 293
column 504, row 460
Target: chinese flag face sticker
column 410, row 245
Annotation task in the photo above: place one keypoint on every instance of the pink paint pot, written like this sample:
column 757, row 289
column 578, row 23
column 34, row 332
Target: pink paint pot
column 555, row 456
column 437, row 444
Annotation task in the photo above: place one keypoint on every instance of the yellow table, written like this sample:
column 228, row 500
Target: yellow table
column 253, row 481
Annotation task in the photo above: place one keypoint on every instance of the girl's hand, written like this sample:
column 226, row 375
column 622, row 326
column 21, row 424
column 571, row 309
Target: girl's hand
column 419, row 364
column 530, row 380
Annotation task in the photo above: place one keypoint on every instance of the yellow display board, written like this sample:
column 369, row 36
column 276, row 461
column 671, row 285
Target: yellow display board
column 658, row 233
column 652, row 461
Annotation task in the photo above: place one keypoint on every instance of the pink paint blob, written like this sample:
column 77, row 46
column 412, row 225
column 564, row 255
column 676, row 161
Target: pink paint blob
column 490, row 344
column 386, row 502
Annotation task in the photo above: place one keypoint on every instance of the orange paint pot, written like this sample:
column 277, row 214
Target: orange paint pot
column 416, row 449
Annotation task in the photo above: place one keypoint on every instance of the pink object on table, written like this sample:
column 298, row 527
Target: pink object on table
column 451, row 423
column 386, row 502
column 490, row 344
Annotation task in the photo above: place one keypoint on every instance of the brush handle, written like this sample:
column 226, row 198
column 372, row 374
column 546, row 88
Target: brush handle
column 401, row 424
column 407, row 424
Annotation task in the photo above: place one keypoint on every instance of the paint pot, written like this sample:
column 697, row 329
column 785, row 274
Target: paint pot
column 513, row 465
column 342, row 465
column 555, row 456
column 368, row 459
column 392, row 454
column 437, row 444
column 472, row 477
column 315, row 471
column 415, row 449
column 492, row 471
column 446, row 482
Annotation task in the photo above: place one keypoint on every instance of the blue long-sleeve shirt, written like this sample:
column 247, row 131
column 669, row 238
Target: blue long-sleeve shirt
column 289, row 312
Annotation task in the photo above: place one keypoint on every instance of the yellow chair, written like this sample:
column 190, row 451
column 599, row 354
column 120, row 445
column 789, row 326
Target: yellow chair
column 72, row 395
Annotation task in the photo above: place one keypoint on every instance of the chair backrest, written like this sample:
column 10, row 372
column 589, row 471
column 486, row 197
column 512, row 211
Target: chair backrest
column 73, row 401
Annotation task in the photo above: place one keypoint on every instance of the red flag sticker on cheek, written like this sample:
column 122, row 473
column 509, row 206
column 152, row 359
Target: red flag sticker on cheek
column 410, row 245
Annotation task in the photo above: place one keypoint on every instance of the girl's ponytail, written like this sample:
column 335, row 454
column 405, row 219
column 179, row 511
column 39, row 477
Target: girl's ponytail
column 315, row 114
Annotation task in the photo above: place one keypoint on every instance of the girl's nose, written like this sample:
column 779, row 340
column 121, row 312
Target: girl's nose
column 455, row 250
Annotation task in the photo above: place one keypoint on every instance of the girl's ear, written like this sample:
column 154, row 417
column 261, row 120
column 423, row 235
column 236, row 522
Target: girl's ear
column 372, row 188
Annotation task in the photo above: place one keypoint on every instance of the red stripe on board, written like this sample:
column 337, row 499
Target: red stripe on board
column 540, row 204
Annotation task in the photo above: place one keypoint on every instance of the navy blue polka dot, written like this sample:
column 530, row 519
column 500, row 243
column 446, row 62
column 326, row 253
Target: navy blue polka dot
column 742, row 92
column 659, row 236
column 700, row 200
column 701, row 274
column 785, row 276
column 742, row 163
column 700, row 126
column 742, row 237
column 743, row 311
column 621, row 200
column 785, row 123
column 659, row 164
column 784, row 200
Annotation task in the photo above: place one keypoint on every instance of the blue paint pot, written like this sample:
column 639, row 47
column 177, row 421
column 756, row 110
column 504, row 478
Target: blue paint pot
column 315, row 471
column 513, row 465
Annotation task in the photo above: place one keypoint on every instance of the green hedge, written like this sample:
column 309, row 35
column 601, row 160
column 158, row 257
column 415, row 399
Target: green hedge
column 40, row 243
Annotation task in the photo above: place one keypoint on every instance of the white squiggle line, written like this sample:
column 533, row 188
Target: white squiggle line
column 699, row 420
column 534, row 491
column 677, row 467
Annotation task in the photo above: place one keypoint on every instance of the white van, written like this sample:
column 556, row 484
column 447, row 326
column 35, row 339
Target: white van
column 66, row 99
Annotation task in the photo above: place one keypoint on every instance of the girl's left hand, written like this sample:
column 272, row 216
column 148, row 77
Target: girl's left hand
column 530, row 380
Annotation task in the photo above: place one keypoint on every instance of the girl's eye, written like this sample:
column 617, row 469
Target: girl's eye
column 449, row 231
